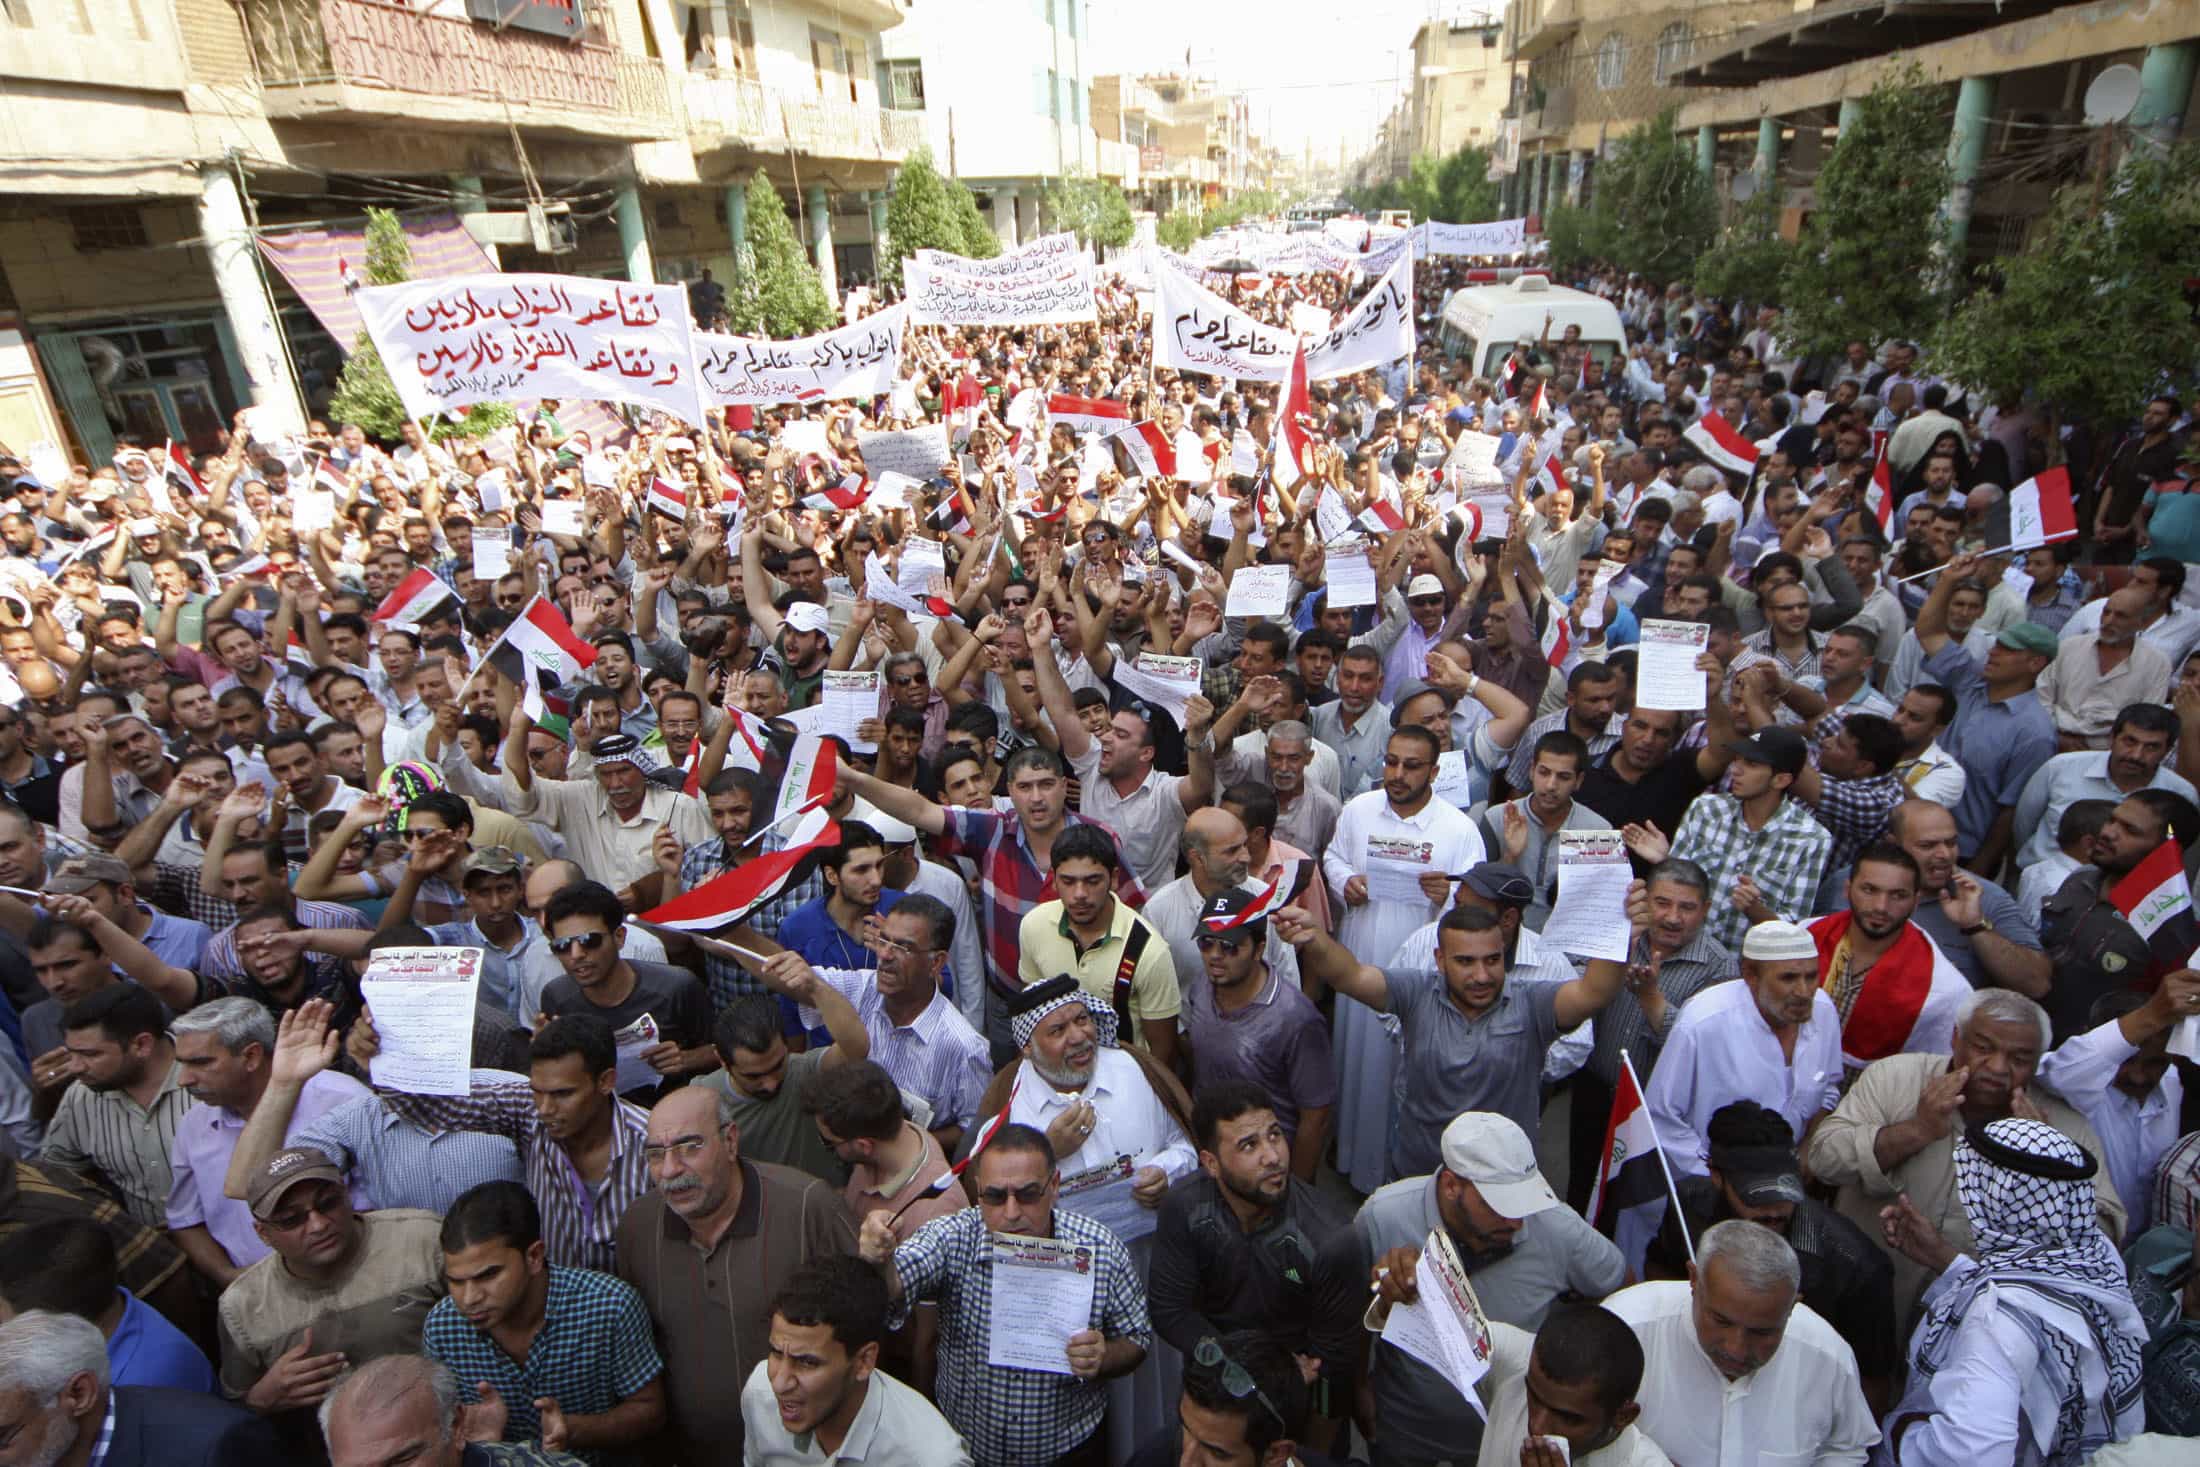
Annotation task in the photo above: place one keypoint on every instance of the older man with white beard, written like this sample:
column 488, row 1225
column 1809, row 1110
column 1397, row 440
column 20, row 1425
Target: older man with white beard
column 1116, row 1123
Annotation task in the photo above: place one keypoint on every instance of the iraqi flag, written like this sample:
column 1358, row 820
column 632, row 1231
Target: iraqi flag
column 410, row 601
column 1879, row 497
column 1382, row 518
column 668, row 499
column 728, row 898
column 750, row 742
column 1538, row 405
column 1558, row 637
column 539, row 652
column 2040, row 512
column 849, row 493
column 1272, row 899
column 1721, row 443
column 1297, row 459
column 1908, row 1001
column 1630, row 1186
column 1150, row 449
column 1088, row 414
column 1551, row 477
column 813, row 767
column 175, row 470
column 328, row 479
column 2155, row 898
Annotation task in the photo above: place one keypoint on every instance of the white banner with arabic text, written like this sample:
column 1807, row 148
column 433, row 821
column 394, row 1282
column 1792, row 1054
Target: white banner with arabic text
column 1196, row 330
column 498, row 338
column 853, row 361
column 1046, row 248
column 1496, row 237
column 1052, row 291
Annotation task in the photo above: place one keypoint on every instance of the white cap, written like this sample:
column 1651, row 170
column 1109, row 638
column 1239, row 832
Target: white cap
column 808, row 616
column 893, row 832
column 1424, row 585
column 1494, row 1154
column 1778, row 941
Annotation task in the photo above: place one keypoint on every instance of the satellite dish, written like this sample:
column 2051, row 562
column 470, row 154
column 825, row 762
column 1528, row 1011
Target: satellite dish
column 2112, row 95
column 1744, row 186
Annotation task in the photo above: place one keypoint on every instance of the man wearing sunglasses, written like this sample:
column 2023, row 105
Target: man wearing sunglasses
column 1244, row 1404
column 653, row 1002
column 1009, row 1415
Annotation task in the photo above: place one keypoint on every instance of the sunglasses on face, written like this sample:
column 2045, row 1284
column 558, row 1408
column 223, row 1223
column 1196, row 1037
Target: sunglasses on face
column 1028, row 1195
column 1209, row 942
column 587, row 942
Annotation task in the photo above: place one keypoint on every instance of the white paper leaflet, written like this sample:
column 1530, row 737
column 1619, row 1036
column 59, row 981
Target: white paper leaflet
column 1589, row 920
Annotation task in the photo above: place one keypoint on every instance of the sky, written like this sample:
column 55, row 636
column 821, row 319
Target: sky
column 1315, row 71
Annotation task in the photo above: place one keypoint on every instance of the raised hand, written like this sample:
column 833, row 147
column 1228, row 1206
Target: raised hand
column 304, row 1043
column 1939, row 1101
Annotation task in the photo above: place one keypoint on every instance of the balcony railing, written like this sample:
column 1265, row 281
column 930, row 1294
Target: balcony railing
column 379, row 58
column 723, row 110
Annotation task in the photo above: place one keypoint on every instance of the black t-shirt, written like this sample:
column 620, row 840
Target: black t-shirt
column 674, row 997
column 1659, row 798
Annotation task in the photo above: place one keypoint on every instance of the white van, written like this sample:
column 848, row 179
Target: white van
column 1481, row 322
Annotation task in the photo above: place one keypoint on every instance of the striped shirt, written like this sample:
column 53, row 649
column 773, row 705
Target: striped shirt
column 127, row 1143
column 401, row 1165
column 145, row 1259
column 580, row 1219
column 939, row 1056
column 1011, row 881
column 221, row 953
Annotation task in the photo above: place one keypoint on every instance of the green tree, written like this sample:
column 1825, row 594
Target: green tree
column 778, row 293
column 1570, row 231
column 364, row 393
column 1654, row 210
column 1869, row 263
column 978, row 239
column 2087, row 314
column 1746, row 260
column 1091, row 208
column 920, row 215
column 1179, row 227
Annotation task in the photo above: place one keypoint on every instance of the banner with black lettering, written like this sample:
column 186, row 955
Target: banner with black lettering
column 861, row 360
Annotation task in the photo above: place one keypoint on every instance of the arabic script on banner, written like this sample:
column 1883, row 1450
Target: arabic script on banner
column 854, row 361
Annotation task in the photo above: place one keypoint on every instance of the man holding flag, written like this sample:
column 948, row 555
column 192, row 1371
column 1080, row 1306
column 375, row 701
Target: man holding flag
column 2127, row 918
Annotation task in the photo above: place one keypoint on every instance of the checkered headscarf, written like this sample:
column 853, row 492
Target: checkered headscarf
column 2043, row 1264
column 1033, row 1004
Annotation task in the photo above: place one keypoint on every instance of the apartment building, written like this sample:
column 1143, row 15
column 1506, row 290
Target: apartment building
column 1193, row 143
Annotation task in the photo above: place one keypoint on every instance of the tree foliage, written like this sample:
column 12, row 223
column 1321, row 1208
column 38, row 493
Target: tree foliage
column 978, row 240
column 1746, row 260
column 779, row 292
column 364, row 393
column 1179, row 227
column 2086, row 316
column 920, row 215
column 1869, row 264
column 1654, row 210
column 1570, row 232
column 1091, row 208
column 1453, row 190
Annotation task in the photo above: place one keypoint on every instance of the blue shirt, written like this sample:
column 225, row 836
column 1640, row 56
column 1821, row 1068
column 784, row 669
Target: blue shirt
column 498, row 982
column 146, row 1350
column 1999, row 745
column 178, row 941
column 811, row 931
column 1621, row 631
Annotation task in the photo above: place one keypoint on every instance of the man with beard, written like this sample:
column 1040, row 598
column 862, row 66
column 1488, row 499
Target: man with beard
column 335, row 1288
column 615, row 671
column 1974, row 922
column 595, row 1387
column 60, row 1407
column 697, row 1245
column 1522, row 1248
column 1752, row 1175
column 2092, row 945
column 225, row 1051
column 1356, row 726
column 1246, row 1245
column 1774, row 1034
column 820, row 1396
column 1763, row 851
column 1473, row 1040
column 1215, row 853
column 2096, row 673
column 1892, row 988
column 2138, row 744
column 126, row 771
column 1894, row 1132
column 1524, row 832
column 118, row 1121
column 1620, row 786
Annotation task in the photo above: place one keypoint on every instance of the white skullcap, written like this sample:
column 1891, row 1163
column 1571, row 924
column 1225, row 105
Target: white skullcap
column 1779, row 942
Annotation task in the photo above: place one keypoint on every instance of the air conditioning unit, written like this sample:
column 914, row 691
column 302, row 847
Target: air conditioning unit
column 552, row 230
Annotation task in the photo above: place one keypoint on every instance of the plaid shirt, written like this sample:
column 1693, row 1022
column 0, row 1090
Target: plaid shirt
column 728, row 980
column 31, row 1193
column 1785, row 859
column 1856, row 811
column 1011, row 882
column 1523, row 758
column 580, row 1220
column 106, row 1437
column 596, row 1348
column 178, row 889
column 1012, row 1416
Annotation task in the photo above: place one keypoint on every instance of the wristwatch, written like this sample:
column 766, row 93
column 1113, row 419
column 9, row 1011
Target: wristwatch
column 1983, row 925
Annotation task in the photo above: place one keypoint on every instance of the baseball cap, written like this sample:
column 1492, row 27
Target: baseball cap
column 80, row 874
column 284, row 1170
column 2028, row 636
column 1215, row 916
column 1424, row 585
column 1494, row 1154
column 490, row 861
column 808, row 616
column 1782, row 748
column 1762, row 1176
column 1498, row 882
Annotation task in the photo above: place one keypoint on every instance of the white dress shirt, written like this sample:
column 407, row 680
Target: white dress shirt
column 1804, row 1405
column 1128, row 1118
column 965, row 951
column 1721, row 1050
column 2174, row 633
column 894, row 1427
column 2135, row 1134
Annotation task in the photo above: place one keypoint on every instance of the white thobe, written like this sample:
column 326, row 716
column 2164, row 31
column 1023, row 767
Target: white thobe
column 2135, row 1134
column 1721, row 1050
column 1804, row 1405
column 1505, row 1388
column 1366, row 1042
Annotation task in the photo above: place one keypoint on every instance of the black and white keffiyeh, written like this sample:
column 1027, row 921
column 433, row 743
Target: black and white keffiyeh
column 2043, row 1264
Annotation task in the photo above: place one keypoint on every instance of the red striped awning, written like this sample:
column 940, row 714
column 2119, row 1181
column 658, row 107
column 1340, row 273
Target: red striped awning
column 316, row 261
